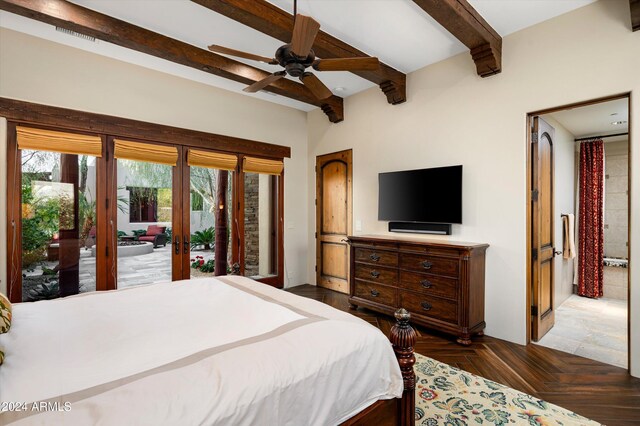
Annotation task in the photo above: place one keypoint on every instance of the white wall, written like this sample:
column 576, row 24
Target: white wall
column 452, row 116
column 40, row 71
column 564, row 190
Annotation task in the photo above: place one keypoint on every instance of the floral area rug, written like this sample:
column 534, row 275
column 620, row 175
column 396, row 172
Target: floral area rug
column 451, row 397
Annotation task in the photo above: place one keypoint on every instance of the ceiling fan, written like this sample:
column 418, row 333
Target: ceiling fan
column 297, row 56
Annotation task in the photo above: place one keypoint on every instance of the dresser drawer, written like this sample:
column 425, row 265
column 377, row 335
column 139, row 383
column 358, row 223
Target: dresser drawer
column 430, row 264
column 376, row 273
column 429, row 306
column 429, row 284
column 376, row 293
column 378, row 257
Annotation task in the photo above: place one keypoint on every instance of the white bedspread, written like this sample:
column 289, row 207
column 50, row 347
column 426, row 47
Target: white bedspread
column 227, row 351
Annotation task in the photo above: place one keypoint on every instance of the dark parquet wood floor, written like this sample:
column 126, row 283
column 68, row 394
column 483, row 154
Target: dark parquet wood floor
column 595, row 390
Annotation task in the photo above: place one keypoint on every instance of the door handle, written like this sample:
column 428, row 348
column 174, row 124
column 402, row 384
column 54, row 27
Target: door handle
column 375, row 274
column 186, row 245
column 176, row 243
column 557, row 252
column 426, row 264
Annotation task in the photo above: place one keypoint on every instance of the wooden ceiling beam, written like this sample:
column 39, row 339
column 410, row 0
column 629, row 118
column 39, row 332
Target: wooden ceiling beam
column 277, row 23
column 465, row 23
column 635, row 14
column 82, row 20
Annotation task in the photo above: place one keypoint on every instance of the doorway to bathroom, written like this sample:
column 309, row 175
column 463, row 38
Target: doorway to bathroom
column 578, row 229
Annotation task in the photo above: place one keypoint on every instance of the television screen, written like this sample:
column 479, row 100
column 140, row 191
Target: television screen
column 426, row 195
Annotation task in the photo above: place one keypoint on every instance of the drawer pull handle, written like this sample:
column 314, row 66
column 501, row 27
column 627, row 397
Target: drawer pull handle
column 426, row 306
column 426, row 284
column 375, row 274
column 374, row 257
column 426, row 264
column 375, row 293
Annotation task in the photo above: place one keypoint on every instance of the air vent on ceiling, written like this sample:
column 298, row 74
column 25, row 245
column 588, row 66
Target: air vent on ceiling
column 76, row 34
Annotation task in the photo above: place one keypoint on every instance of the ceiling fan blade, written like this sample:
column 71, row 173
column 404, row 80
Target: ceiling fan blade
column 304, row 34
column 241, row 54
column 261, row 84
column 347, row 64
column 317, row 87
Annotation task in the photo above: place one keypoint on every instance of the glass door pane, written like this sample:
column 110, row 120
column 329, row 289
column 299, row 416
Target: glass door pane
column 144, row 225
column 58, row 224
column 207, row 205
column 260, row 225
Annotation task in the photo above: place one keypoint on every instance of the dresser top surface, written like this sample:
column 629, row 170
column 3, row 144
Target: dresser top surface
column 416, row 240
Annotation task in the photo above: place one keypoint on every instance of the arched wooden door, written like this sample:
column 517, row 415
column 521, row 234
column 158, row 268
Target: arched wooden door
column 333, row 219
column 542, row 229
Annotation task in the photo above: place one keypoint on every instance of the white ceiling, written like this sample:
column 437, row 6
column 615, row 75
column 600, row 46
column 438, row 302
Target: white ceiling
column 597, row 119
column 397, row 31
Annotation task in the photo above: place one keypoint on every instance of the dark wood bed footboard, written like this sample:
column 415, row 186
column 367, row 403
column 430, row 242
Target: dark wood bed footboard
column 395, row 412
column 403, row 337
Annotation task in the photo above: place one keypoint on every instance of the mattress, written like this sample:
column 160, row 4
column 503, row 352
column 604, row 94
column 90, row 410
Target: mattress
column 214, row 351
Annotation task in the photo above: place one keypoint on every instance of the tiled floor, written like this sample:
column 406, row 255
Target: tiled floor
column 591, row 328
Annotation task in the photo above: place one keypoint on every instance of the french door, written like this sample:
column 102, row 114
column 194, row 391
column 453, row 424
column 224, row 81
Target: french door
column 55, row 182
column 145, row 217
column 98, row 212
column 173, row 212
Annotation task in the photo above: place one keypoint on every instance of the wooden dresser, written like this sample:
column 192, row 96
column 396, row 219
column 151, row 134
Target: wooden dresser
column 440, row 282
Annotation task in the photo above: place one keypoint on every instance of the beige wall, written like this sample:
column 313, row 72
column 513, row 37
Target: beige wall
column 40, row 71
column 564, row 190
column 452, row 116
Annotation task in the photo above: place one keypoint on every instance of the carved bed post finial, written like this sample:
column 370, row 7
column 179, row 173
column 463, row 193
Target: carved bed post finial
column 403, row 337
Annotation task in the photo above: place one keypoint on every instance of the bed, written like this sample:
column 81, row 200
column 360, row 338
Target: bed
column 215, row 351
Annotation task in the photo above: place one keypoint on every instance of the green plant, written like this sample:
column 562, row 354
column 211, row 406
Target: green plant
column 87, row 214
column 205, row 238
column 45, row 291
column 202, row 265
column 41, row 220
column 121, row 233
column 47, row 271
column 169, row 233
column 139, row 232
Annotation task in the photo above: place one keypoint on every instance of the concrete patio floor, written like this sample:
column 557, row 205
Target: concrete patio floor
column 131, row 271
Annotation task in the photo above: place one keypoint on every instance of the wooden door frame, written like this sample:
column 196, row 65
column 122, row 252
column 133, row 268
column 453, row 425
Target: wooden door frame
column 530, row 115
column 318, row 204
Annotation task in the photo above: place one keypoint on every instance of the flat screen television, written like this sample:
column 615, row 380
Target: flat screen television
column 427, row 195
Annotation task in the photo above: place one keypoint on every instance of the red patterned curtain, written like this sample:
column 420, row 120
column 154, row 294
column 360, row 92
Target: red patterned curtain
column 591, row 219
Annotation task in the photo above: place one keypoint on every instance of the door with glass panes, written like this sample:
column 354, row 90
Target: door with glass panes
column 93, row 212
